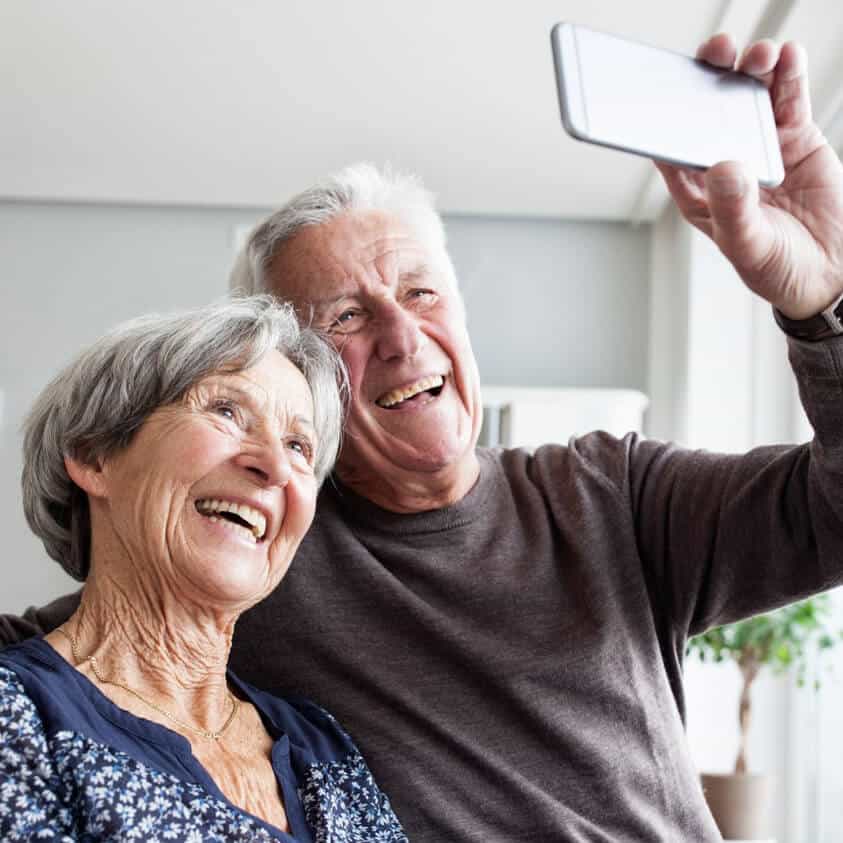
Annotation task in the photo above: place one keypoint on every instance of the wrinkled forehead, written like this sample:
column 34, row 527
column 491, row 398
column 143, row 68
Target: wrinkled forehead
column 271, row 379
column 330, row 259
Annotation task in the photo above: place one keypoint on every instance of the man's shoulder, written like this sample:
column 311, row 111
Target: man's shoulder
column 37, row 620
column 596, row 453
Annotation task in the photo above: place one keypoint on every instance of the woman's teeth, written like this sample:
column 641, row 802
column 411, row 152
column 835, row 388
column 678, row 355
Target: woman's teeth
column 396, row 396
column 234, row 514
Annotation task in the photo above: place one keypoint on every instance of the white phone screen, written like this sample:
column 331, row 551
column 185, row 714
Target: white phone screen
column 663, row 105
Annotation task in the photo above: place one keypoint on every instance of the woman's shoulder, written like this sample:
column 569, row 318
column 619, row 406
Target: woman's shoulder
column 22, row 674
column 32, row 670
column 13, row 694
column 22, row 730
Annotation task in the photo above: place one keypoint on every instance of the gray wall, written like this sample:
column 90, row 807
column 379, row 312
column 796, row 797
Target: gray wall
column 554, row 303
column 549, row 303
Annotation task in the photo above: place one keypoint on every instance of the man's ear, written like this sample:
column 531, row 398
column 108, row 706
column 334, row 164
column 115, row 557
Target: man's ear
column 89, row 478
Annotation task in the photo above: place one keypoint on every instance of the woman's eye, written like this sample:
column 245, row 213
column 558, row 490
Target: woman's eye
column 302, row 447
column 226, row 409
column 346, row 322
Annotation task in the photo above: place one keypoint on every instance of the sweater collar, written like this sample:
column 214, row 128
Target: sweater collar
column 354, row 508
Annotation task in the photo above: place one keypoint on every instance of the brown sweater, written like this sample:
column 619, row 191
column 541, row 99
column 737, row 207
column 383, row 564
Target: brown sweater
column 511, row 666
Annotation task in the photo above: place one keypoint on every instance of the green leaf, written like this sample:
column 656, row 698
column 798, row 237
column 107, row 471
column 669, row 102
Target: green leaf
column 783, row 640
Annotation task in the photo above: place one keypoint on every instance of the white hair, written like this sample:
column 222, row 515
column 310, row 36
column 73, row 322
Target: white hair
column 357, row 187
column 95, row 406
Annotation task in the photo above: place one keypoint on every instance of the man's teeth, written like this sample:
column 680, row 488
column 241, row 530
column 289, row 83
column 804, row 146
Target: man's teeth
column 254, row 518
column 396, row 396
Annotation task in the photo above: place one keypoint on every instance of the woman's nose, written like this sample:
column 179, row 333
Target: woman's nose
column 268, row 461
column 399, row 334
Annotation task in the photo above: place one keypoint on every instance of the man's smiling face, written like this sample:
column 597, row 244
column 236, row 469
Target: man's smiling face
column 387, row 295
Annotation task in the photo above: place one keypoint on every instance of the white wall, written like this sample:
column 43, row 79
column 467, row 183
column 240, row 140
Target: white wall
column 69, row 272
column 668, row 339
column 819, row 733
column 549, row 303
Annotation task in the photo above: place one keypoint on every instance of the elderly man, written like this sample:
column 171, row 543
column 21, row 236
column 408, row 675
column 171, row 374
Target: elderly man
column 504, row 632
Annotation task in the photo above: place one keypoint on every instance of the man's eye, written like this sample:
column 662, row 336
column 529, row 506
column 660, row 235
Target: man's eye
column 422, row 296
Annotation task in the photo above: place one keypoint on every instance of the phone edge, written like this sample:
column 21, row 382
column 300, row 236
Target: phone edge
column 770, row 138
column 568, row 80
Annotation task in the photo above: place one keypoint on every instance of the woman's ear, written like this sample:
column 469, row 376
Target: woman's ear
column 89, row 478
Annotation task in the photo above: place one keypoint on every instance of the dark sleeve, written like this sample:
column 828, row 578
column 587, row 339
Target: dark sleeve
column 724, row 537
column 32, row 806
column 37, row 621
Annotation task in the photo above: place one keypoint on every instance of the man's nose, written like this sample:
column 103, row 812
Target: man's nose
column 267, row 460
column 399, row 334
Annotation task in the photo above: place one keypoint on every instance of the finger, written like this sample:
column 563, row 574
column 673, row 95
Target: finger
column 719, row 50
column 760, row 60
column 736, row 218
column 791, row 91
column 686, row 188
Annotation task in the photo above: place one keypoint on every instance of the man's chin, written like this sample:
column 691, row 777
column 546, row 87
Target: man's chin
column 392, row 457
column 412, row 483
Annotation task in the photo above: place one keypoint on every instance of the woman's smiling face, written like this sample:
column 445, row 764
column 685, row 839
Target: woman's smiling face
column 214, row 494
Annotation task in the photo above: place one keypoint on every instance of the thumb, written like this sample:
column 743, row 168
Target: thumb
column 737, row 222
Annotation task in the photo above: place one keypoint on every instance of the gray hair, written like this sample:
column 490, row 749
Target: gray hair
column 95, row 406
column 358, row 187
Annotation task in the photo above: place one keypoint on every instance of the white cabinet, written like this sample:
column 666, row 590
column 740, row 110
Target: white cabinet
column 516, row 416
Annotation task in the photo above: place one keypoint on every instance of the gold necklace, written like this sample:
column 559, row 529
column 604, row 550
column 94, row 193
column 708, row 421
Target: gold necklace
column 92, row 660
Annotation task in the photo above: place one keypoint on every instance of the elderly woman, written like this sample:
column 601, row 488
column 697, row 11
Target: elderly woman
column 174, row 468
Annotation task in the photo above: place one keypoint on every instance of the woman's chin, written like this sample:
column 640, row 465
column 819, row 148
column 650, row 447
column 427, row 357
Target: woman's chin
column 227, row 580
column 225, row 566
column 230, row 593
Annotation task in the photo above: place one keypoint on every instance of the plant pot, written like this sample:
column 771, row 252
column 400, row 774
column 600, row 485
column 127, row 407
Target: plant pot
column 740, row 804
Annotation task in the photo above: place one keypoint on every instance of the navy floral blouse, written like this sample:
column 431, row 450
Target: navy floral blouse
column 74, row 766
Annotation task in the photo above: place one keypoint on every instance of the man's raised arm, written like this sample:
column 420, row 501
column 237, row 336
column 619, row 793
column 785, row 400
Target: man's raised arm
column 745, row 534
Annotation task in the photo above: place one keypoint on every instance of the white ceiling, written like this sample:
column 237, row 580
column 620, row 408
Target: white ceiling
column 225, row 103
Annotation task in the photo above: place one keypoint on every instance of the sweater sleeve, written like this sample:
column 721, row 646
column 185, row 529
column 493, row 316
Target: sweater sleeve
column 37, row 621
column 31, row 807
column 724, row 537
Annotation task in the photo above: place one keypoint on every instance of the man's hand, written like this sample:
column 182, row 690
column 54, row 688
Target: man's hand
column 787, row 242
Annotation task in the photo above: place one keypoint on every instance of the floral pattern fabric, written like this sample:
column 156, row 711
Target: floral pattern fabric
column 67, row 786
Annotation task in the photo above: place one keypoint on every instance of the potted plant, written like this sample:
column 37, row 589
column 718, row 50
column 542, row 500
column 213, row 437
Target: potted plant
column 781, row 640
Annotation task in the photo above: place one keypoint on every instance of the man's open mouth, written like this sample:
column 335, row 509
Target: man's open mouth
column 240, row 515
column 431, row 386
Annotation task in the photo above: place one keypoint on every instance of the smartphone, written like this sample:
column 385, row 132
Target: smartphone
column 663, row 105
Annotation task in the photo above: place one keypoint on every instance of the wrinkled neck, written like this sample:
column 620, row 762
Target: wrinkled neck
column 160, row 647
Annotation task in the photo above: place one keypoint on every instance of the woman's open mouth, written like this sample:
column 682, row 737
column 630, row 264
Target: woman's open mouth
column 247, row 518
